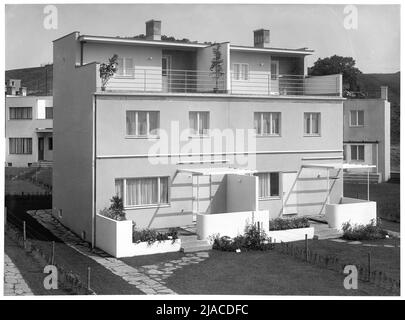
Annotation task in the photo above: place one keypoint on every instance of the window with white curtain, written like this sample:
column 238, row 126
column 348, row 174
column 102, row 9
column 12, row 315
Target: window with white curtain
column 312, row 123
column 20, row 113
column 269, row 184
column 143, row 191
column 240, row 71
column 20, row 145
column 199, row 123
column 267, row 123
column 142, row 123
column 125, row 67
column 356, row 118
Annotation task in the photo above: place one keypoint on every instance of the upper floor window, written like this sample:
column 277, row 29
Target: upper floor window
column 240, row 71
column 20, row 146
column 142, row 123
column 267, row 123
column 357, row 152
column 20, row 113
column 269, row 184
column 143, row 191
column 41, row 109
column 49, row 113
column 199, row 123
column 312, row 123
column 125, row 67
column 274, row 70
column 356, row 118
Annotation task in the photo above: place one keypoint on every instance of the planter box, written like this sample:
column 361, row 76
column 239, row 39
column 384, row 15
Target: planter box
column 355, row 211
column 291, row 234
column 115, row 238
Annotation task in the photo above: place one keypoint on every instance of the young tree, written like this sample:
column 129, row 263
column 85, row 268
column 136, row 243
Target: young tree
column 107, row 70
column 337, row 64
column 217, row 62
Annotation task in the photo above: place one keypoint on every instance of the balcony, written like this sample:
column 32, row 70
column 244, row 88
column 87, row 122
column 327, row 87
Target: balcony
column 158, row 80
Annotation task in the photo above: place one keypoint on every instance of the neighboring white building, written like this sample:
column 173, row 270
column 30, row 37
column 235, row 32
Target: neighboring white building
column 29, row 126
column 367, row 136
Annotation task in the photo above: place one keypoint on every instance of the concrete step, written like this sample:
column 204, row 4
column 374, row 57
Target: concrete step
column 194, row 246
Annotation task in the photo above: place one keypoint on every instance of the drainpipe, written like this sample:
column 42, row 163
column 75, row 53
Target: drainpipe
column 93, row 215
column 368, row 184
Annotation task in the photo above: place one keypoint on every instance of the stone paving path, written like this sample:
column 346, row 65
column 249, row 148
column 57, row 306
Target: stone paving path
column 14, row 283
column 364, row 244
column 149, row 279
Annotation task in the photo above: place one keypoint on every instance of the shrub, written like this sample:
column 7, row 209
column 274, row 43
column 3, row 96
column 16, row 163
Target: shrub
column 290, row 223
column 371, row 231
column 253, row 239
column 150, row 235
column 115, row 211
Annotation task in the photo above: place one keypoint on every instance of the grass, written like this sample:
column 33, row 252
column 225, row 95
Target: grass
column 383, row 259
column 387, row 196
column 18, row 180
column 19, row 186
column 261, row 273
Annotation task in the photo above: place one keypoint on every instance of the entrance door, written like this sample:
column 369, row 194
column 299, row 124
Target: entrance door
column 41, row 149
column 201, row 195
column 166, row 70
column 289, row 193
column 274, row 82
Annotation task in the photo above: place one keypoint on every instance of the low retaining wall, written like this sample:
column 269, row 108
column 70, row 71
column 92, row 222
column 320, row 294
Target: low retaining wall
column 291, row 234
column 355, row 211
column 229, row 224
column 115, row 238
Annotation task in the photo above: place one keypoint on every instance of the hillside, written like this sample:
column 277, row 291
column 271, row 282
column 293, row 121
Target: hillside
column 38, row 80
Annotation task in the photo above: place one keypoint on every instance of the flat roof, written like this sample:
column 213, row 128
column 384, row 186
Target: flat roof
column 134, row 41
column 217, row 171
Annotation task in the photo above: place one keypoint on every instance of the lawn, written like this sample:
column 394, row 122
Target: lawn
column 383, row 259
column 261, row 273
column 387, row 196
column 27, row 180
column 19, row 186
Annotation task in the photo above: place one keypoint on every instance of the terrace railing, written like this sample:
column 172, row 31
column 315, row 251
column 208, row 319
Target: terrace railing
column 198, row 81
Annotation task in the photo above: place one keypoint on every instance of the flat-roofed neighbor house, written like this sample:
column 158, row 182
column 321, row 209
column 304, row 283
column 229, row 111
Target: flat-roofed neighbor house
column 367, row 136
column 137, row 136
column 29, row 122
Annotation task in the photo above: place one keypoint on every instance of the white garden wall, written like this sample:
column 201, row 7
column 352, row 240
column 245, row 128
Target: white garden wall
column 229, row 224
column 289, row 235
column 355, row 211
column 115, row 238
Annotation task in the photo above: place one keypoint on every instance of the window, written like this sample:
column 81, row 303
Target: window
column 312, row 123
column 269, row 185
column 125, row 67
column 274, row 70
column 344, row 152
column 267, row 123
column 142, row 123
column 20, row 113
column 240, row 71
column 356, row 118
column 143, row 191
column 20, row 146
column 357, row 152
column 199, row 122
column 49, row 113
column 50, row 143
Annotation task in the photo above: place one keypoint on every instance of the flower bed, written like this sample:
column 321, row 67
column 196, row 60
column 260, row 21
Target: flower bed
column 291, row 229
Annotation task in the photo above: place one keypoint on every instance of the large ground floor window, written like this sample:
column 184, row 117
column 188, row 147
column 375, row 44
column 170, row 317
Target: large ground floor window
column 143, row 191
column 20, row 146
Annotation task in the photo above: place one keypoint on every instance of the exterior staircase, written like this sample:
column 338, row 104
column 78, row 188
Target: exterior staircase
column 42, row 164
column 361, row 177
column 190, row 242
column 321, row 229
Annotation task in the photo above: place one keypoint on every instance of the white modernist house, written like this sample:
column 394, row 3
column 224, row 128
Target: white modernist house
column 29, row 128
column 124, row 138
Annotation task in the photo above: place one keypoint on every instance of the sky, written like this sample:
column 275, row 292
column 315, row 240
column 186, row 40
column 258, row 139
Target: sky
column 374, row 44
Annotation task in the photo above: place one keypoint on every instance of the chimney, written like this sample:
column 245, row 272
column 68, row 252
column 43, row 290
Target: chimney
column 153, row 30
column 261, row 38
column 384, row 92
